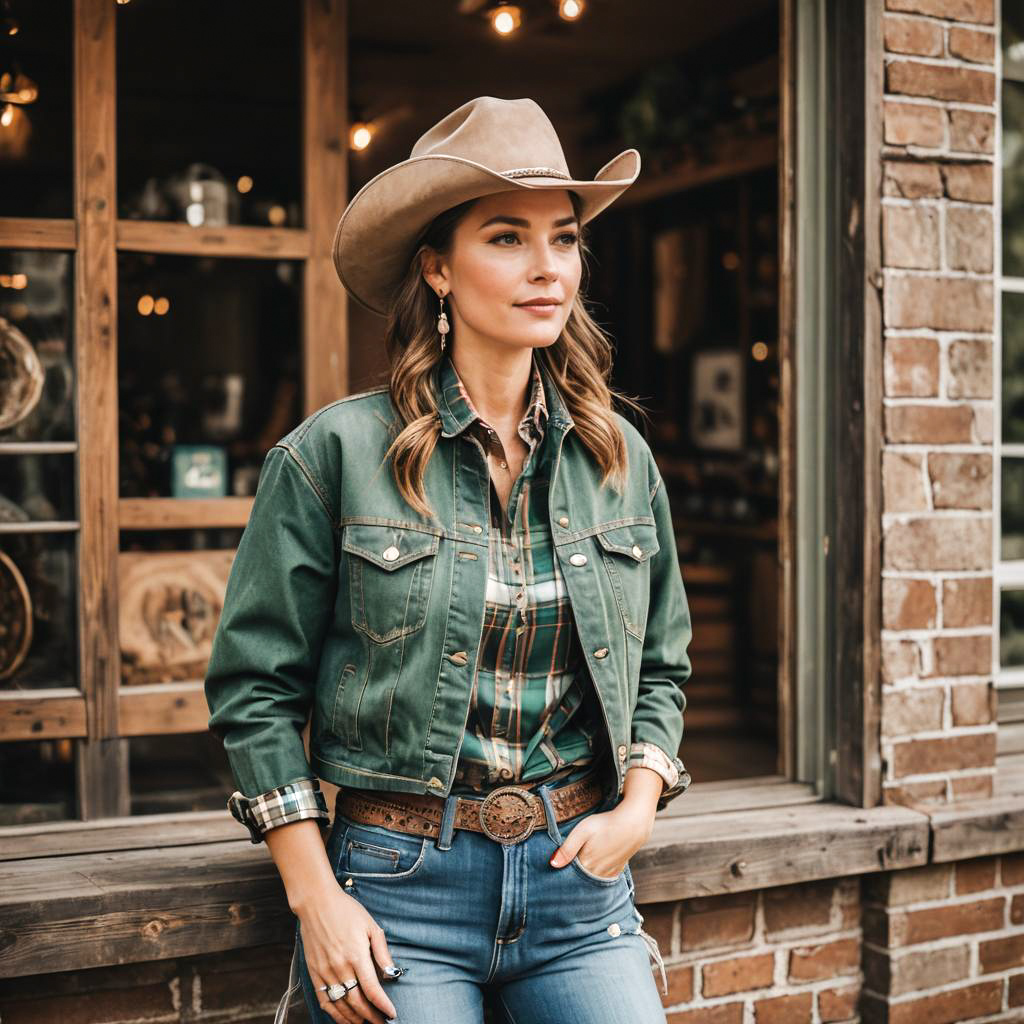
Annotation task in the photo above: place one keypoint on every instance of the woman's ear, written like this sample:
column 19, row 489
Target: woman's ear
column 430, row 267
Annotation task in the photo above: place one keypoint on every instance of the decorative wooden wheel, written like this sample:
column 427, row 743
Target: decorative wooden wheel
column 15, row 617
column 21, row 375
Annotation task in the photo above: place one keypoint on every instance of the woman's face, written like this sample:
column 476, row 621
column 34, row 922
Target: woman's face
column 512, row 247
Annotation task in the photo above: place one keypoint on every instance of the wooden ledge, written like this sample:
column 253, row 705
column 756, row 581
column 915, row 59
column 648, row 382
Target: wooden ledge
column 121, row 906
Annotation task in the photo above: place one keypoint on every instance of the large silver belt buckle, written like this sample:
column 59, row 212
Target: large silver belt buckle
column 507, row 815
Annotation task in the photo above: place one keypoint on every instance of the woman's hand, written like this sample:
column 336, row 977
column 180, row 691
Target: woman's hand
column 338, row 936
column 606, row 841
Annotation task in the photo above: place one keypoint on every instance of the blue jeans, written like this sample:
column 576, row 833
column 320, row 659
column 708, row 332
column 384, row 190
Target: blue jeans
column 467, row 914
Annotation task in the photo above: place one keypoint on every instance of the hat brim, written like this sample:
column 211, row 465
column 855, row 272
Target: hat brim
column 375, row 234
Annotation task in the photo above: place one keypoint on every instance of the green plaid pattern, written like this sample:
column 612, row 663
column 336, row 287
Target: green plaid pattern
column 293, row 801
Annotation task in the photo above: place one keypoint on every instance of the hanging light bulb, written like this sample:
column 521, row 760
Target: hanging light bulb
column 570, row 10
column 506, row 18
column 7, row 116
column 360, row 134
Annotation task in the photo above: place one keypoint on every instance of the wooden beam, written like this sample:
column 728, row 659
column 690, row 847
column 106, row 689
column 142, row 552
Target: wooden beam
column 37, row 233
column 325, row 126
column 161, row 709
column 42, row 714
column 183, row 513
column 102, row 759
column 235, row 240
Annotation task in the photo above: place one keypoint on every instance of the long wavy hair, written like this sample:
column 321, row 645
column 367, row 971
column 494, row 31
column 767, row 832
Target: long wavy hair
column 579, row 362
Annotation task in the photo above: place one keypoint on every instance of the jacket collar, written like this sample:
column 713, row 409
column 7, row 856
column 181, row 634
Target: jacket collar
column 457, row 412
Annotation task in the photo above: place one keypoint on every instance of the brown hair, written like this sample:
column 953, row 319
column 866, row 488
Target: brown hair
column 579, row 362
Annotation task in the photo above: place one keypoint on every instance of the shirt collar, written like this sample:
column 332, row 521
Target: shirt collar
column 458, row 412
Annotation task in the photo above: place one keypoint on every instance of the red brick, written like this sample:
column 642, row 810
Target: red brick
column 916, row 794
column 740, row 974
column 658, row 921
column 710, row 921
column 928, row 424
column 972, row 787
column 914, row 124
column 972, row 131
column 911, row 885
column 1017, row 909
column 829, row 960
column 975, row 875
column 720, row 1013
column 908, row 179
column 903, row 482
column 960, row 479
column 970, row 44
column 973, row 704
column 1011, row 869
column 680, row 984
column 914, row 36
column 910, row 237
column 963, row 655
column 970, row 368
column 1015, row 990
column 948, row 1007
column 805, row 905
column 838, row 1004
column 960, row 542
column 969, row 183
column 967, row 602
column 942, row 303
column 969, row 244
column 981, row 11
column 911, row 367
column 912, row 710
column 901, row 659
column 938, row 81
column 791, row 1009
column 908, row 604
column 955, row 919
column 944, row 754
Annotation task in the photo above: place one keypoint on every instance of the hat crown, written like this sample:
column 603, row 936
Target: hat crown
column 504, row 135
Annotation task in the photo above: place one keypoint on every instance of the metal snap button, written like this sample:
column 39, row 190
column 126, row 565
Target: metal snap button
column 478, row 529
column 459, row 657
column 637, row 551
column 563, row 520
column 622, row 751
column 390, row 554
column 435, row 783
column 578, row 558
column 601, row 652
column 614, row 929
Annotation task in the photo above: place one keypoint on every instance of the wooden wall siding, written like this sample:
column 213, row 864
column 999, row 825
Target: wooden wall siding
column 938, row 724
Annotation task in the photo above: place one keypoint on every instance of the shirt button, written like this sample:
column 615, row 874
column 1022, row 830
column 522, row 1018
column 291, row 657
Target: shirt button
column 601, row 652
column 389, row 554
column 578, row 558
column 563, row 520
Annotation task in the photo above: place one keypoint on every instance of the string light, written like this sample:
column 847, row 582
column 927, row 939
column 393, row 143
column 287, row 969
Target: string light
column 570, row 10
column 360, row 135
column 506, row 18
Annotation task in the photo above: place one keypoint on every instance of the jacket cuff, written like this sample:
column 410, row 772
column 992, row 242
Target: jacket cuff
column 282, row 805
column 671, row 769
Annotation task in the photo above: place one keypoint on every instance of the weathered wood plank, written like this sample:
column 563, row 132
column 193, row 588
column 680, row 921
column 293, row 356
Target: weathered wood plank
column 974, row 828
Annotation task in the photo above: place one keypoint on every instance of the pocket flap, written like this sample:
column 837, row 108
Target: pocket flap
column 389, row 547
column 638, row 541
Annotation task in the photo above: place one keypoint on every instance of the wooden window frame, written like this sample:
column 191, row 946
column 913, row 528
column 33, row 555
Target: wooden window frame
column 827, row 668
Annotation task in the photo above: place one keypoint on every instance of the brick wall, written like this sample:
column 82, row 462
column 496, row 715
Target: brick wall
column 783, row 955
column 939, row 126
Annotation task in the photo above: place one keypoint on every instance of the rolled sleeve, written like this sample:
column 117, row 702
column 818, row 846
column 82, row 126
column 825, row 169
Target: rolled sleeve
column 294, row 801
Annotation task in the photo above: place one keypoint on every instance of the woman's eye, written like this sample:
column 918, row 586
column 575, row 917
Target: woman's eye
column 569, row 237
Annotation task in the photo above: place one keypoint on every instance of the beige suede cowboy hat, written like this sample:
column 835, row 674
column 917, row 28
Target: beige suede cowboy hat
column 486, row 145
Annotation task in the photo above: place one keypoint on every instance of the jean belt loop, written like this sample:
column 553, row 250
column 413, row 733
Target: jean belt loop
column 544, row 792
column 447, row 831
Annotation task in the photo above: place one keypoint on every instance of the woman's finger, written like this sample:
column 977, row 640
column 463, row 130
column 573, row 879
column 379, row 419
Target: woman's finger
column 369, row 998
column 337, row 1010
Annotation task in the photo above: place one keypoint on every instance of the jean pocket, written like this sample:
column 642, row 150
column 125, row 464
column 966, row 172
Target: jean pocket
column 371, row 851
column 564, row 828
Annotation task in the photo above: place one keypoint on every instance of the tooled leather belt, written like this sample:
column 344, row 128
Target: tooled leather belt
column 508, row 814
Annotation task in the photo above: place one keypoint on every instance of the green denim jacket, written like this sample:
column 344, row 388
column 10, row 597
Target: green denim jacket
column 345, row 602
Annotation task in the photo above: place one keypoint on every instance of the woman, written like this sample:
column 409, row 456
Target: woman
column 490, row 635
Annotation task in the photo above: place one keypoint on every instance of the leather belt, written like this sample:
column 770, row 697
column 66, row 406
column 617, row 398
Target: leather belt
column 508, row 815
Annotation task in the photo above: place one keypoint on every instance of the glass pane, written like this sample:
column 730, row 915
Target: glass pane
column 37, row 487
column 1012, row 37
column 188, row 772
column 209, row 371
column 37, row 361
column 1013, row 367
column 1013, row 178
column 38, row 595
column 37, row 781
column 35, row 109
column 1011, row 628
column 1012, row 508
column 201, row 138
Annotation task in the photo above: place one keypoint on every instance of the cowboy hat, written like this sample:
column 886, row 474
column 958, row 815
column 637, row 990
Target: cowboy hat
column 487, row 145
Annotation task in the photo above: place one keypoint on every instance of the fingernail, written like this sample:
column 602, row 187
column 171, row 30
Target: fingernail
column 556, row 861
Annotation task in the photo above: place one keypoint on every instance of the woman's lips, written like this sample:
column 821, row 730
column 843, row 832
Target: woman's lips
column 547, row 309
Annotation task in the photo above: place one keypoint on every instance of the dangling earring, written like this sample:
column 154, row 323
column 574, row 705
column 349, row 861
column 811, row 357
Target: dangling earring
column 443, row 327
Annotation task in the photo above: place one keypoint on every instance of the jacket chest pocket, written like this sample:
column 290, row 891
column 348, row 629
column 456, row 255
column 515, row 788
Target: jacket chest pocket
column 391, row 569
column 627, row 553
